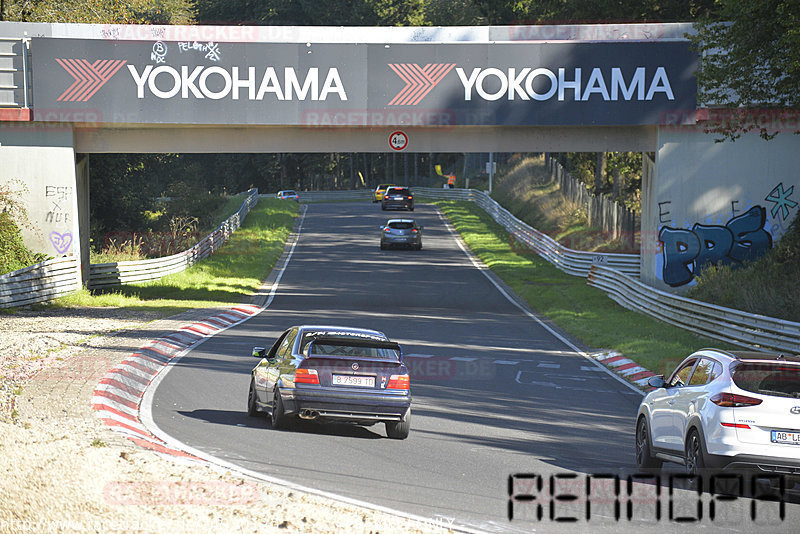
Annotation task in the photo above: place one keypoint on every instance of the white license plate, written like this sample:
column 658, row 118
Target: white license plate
column 357, row 381
column 791, row 438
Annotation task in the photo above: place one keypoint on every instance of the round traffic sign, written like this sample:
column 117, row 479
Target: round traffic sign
column 398, row 140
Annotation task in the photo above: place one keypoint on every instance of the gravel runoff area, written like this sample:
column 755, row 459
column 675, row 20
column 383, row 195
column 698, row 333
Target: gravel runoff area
column 63, row 470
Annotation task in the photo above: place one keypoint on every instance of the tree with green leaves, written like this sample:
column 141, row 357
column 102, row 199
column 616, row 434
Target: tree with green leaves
column 750, row 66
column 313, row 12
column 100, row 11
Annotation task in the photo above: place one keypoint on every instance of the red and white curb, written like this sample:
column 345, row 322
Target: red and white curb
column 118, row 395
column 626, row 368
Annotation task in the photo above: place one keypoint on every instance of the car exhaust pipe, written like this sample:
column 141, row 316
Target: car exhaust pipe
column 309, row 414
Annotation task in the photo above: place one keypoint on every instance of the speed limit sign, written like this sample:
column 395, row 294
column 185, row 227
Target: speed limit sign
column 398, row 140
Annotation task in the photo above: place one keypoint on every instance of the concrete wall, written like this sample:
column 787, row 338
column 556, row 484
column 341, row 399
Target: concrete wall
column 44, row 160
column 711, row 202
column 264, row 139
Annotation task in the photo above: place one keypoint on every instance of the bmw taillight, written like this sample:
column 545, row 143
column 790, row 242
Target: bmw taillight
column 306, row 376
column 731, row 400
column 414, row 231
column 388, row 230
column 399, row 382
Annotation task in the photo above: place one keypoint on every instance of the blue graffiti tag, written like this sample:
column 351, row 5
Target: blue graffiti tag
column 780, row 197
column 686, row 252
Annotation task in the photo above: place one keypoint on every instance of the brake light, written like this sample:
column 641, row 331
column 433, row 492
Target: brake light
column 414, row 231
column 306, row 376
column 409, row 198
column 729, row 400
column 388, row 229
column 399, row 382
column 736, row 425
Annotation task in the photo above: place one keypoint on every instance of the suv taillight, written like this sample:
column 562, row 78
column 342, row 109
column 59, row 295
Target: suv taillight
column 730, row 400
column 306, row 376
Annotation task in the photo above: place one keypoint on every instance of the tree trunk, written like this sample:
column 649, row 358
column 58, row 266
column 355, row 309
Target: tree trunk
column 600, row 173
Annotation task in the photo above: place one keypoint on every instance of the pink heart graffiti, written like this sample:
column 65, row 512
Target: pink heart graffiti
column 61, row 242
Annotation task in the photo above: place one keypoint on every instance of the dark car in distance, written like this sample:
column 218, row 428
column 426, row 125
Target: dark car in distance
column 401, row 233
column 398, row 198
column 329, row 374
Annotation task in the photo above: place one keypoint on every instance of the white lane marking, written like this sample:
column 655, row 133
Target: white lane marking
column 460, row 359
column 277, row 281
column 544, row 325
column 588, row 368
column 506, row 362
column 418, row 356
column 549, row 365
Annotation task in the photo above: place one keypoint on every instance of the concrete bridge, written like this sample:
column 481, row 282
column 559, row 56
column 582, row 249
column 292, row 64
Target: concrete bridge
column 69, row 90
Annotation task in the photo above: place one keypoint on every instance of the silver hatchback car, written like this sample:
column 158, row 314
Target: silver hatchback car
column 724, row 410
column 401, row 232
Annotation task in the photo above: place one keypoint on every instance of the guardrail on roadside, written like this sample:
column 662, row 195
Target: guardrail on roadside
column 574, row 262
column 44, row 281
column 732, row 326
column 127, row 272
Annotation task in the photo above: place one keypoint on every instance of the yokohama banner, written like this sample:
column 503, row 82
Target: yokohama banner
column 84, row 80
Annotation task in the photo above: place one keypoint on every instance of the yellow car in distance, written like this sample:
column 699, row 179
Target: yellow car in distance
column 377, row 195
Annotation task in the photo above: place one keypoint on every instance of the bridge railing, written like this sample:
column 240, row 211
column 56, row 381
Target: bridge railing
column 14, row 73
column 127, row 272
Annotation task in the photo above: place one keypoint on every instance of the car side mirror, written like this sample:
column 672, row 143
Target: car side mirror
column 656, row 381
column 259, row 352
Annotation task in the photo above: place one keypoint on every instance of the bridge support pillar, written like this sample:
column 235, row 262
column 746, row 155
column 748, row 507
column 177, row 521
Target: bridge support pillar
column 38, row 161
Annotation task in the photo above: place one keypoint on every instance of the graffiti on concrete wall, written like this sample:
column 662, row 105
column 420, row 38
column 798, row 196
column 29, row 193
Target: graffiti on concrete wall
column 61, row 242
column 744, row 237
column 781, row 201
column 686, row 252
column 58, row 218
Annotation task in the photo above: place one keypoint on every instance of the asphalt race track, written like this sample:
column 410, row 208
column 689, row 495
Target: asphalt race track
column 495, row 394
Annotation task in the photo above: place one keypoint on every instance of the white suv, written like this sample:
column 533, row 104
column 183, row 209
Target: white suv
column 719, row 409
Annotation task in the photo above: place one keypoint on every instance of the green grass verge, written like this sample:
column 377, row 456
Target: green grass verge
column 230, row 276
column 586, row 313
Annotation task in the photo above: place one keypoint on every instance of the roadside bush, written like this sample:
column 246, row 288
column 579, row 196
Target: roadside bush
column 14, row 254
column 767, row 286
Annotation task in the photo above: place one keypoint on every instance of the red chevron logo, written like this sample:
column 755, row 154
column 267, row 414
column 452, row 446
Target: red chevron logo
column 89, row 77
column 419, row 81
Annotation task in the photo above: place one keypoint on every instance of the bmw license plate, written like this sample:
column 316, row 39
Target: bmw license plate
column 791, row 438
column 357, row 381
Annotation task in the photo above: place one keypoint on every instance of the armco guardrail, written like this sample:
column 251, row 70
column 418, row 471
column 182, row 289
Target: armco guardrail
column 570, row 261
column 41, row 282
column 322, row 196
column 732, row 326
column 126, row 272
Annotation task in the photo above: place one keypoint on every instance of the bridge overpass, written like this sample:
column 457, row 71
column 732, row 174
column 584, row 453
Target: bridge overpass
column 69, row 90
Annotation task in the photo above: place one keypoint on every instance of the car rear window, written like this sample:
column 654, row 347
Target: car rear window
column 398, row 192
column 768, row 379
column 401, row 225
column 321, row 349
